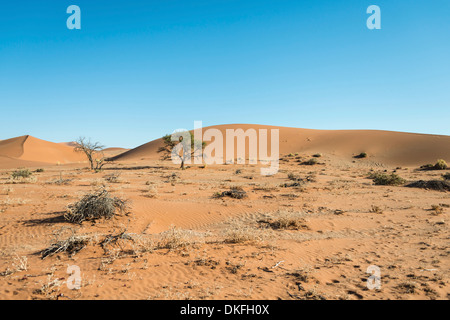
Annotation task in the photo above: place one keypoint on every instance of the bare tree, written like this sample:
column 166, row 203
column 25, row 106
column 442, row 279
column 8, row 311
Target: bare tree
column 172, row 147
column 93, row 151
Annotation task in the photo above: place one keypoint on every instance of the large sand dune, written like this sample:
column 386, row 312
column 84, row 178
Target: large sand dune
column 394, row 148
column 31, row 151
column 386, row 147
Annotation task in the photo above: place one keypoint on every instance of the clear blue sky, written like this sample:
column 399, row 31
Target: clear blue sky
column 139, row 69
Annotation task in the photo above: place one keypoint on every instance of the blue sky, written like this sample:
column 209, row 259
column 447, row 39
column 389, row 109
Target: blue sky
column 139, row 69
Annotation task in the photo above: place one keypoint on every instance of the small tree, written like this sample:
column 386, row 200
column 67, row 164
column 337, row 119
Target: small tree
column 177, row 148
column 93, row 151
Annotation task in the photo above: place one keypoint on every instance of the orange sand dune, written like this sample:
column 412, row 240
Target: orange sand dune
column 387, row 147
column 113, row 151
column 28, row 149
column 70, row 144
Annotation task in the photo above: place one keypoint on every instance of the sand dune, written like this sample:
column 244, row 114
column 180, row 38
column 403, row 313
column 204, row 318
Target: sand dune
column 30, row 151
column 388, row 147
column 113, row 151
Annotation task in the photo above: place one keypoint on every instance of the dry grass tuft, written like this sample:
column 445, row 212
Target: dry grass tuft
column 376, row 209
column 178, row 239
column 437, row 209
column 408, row 287
column 113, row 178
column 286, row 221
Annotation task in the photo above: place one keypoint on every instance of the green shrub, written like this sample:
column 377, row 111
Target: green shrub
column 384, row 179
column 446, row 176
column 440, row 165
column 361, row 155
column 21, row 173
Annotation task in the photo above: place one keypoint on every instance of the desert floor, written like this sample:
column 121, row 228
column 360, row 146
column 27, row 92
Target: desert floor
column 178, row 241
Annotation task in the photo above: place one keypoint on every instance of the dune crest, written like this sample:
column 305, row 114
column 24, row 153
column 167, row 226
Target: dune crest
column 33, row 151
column 389, row 147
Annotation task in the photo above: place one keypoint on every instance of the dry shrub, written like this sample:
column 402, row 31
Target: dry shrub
column 178, row 239
column 113, row 178
column 241, row 234
column 72, row 244
column 438, row 185
column 94, row 206
column 234, row 192
column 310, row 162
column 408, row 287
column 7, row 191
column 121, row 242
column 172, row 178
column 297, row 180
column 21, row 180
column 303, row 274
column 286, row 220
column 376, row 209
column 437, row 209
column 151, row 192
column 60, row 181
column 294, row 177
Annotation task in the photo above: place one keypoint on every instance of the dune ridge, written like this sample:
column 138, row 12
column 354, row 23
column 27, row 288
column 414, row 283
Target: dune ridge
column 389, row 147
column 31, row 151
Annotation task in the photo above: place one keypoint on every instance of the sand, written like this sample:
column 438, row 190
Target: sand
column 31, row 149
column 394, row 148
column 346, row 223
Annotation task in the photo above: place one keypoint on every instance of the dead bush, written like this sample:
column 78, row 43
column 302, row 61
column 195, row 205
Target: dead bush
column 234, row 192
column 95, row 206
column 286, row 221
column 72, row 245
